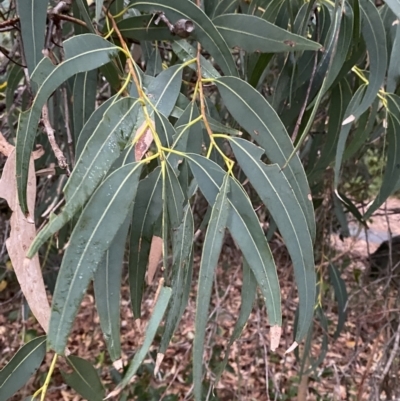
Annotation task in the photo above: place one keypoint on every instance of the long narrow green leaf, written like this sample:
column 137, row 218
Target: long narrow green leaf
column 245, row 229
column 339, row 287
column 248, row 294
column 393, row 76
column 344, row 132
column 102, row 149
column 174, row 197
column 392, row 170
column 185, row 52
column 107, row 289
column 82, row 53
column 14, row 78
column 97, row 226
column 147, row 209
column 394, row 6
column 254, row 34
column 84, row 95
column 277, row 195
column 225, row 7
column 374, row 36
column 163, row 91
column 260, row 120
column 21, row 367
column 209, row 260
column 154, row 322
column 340, row 98
column 32, row 18
column 142, row 27
column 205, row 31
column 91, row 126
column 84, row 379
column 182, row 244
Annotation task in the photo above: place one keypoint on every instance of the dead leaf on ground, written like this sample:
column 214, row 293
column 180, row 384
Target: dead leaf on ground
column 22, row 233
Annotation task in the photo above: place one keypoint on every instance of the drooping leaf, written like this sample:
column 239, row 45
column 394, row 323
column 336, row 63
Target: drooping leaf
column 14, row 78
column 174, row 197
column 344, row 132
column 225, row 7
column 21, row 367
column 340, row 98
column 82, row 53
column 392, row 170
column 209, row 259
column 84, row 94
column 185, row 52
column 393, row 75
column 33, row 25
column 101, row 150
column 142, row 27
column 254, row 34
column 248, row 295
column 99, row 5
column 84, row 379
column 152, row 58
column 107, row 289
column 96, row 228
column 261, row 121
column 205, row 31
column 277, row 195
column 163, row 91
column 91, row 126
column 339, row 287
column 245, row 229
column 182, row 265
column 154, row 322
column 375, row 39
column 146, row 211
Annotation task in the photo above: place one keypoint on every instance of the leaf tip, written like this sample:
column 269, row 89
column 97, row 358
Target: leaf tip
column 276, row 332
column 349, row 119
column 159, row 359
column 292, row 347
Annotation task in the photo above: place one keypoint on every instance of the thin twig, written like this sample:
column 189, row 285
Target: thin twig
column 393, row 353
column 62, row 160
column 68, row 127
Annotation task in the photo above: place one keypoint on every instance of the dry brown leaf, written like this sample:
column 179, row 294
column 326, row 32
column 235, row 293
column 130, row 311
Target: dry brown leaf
column 22, row 233
column 275, row 332
column 145, row 140
column 155, row 256
column 159, row 360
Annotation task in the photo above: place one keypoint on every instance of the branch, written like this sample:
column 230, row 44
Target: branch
column 62, row 161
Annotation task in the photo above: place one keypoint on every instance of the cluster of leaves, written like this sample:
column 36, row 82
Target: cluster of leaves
column 217, row 85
